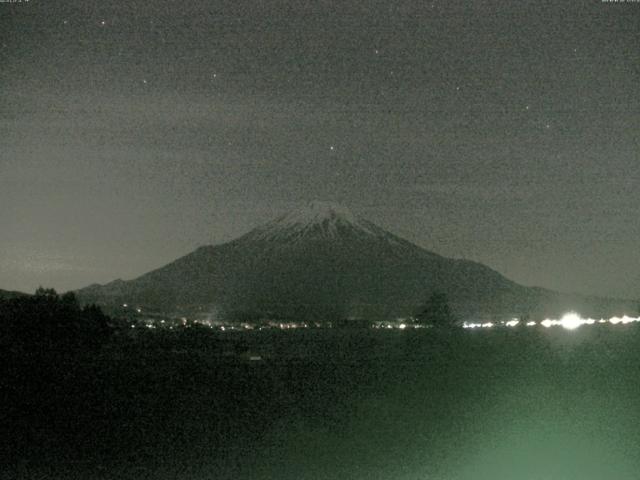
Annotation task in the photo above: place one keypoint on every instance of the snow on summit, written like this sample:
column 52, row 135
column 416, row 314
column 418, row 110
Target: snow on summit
column 320, row 217
column 316, row 212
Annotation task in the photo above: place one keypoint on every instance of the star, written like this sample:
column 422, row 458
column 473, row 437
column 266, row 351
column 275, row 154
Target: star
column 144, row 81
column 526, row 107
column 377, row 51
column 332, row 148
column 103, row 23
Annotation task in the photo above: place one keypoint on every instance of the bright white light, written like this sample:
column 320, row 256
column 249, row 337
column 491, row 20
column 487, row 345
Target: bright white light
column 468, row 325
column 624, row 320
column 571, row 321
column 402, row 326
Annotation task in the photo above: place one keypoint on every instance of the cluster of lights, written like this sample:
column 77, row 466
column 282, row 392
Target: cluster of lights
column 570, row 321
column 403, row 325
column 478, row 325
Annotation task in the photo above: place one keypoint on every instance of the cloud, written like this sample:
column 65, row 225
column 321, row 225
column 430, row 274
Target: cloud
column 40, row 263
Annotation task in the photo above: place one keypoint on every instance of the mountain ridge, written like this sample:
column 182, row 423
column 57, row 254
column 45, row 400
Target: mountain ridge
column 324, row 262
column 7, row 294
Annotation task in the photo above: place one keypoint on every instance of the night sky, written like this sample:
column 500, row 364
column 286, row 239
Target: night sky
column 132, row 132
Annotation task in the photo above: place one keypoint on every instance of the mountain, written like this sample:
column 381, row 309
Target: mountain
column 324, row 262
column 6, row 294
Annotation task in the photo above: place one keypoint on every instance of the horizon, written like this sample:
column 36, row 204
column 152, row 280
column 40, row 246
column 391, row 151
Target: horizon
column 314, row 211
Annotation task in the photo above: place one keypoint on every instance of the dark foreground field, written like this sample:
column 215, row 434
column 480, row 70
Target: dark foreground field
column 517, row 405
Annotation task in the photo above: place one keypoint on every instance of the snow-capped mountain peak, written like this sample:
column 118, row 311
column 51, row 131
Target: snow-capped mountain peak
column 316, row 218
column 317, row 212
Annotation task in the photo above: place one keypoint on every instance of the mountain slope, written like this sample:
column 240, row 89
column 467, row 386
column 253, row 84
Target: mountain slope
column 323, row 262
column 7, row 294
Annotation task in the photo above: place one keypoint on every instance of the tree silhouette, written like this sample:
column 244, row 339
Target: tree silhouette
column 48, row 322
column 437, row 312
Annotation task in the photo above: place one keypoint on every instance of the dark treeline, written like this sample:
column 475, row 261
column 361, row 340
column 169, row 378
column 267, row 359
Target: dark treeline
column 46, row 339
column 50, row 324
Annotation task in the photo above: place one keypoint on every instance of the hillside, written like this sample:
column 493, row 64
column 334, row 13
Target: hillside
column 324, row 262
column 5, row 294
